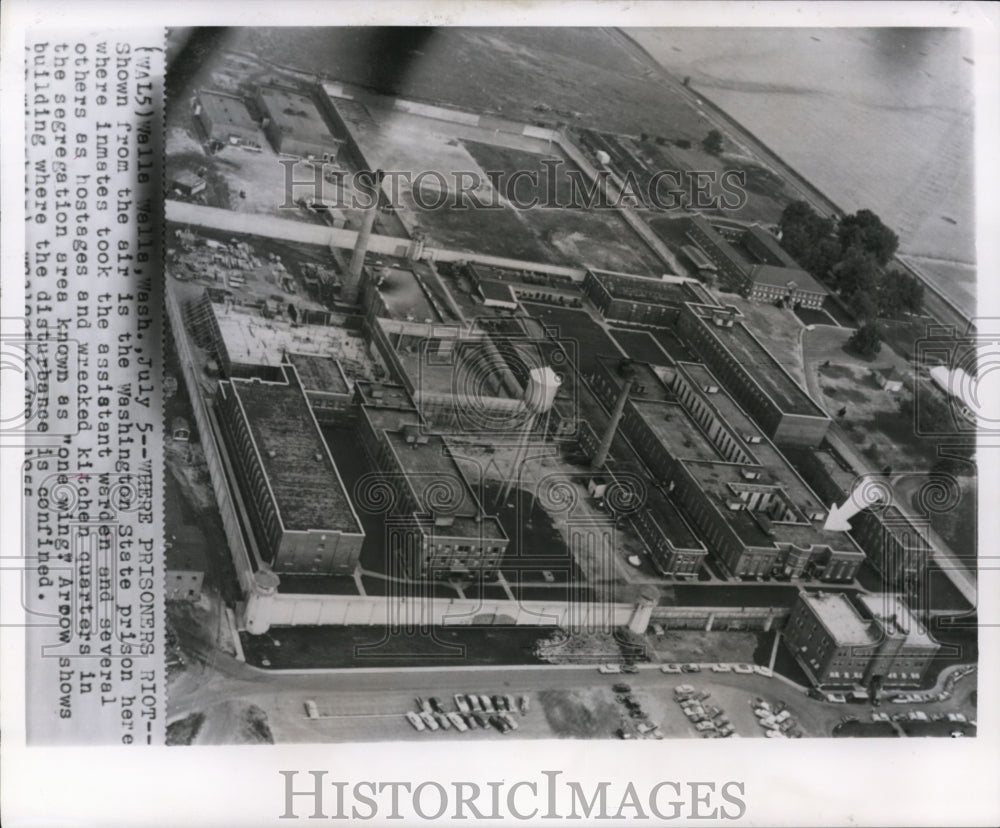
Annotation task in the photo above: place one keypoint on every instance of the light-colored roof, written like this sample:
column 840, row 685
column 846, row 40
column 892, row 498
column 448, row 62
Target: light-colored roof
column 840, row 618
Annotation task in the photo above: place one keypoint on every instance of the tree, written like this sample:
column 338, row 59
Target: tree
column 713, row 143
column 866, row 231
column 900, row 293
column 866, row 340
column 857, row 279
column 809, row 238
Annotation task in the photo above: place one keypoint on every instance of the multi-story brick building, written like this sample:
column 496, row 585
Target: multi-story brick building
column 755, row 513
column 758, row 381
column 445, row 529
column 894, row 541
column 302, row 519
column 845, row 643
column 755, row 263
column 639, row 299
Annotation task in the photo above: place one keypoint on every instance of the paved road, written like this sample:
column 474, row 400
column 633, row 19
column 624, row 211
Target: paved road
column 367, row 705
column 199, row 215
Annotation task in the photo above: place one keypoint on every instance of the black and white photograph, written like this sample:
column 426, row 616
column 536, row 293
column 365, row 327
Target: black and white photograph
column 399, row 392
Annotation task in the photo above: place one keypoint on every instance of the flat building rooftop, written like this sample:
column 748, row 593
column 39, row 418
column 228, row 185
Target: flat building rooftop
column 300, row 472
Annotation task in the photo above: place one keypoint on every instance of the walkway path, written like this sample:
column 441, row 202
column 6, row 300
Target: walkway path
column 254, row 224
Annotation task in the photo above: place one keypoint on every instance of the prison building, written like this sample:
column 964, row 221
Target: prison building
column 294, row 125
column 753, row 511
column 325, row 385
column 302, row 519
column 440, row 527
column 638, row 299
column 874, row 639
column 226, row 119
column 767, row 283
column 756, row 380
column 755, row 263
column 894, row 541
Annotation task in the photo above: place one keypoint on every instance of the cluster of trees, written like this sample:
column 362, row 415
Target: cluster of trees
column 713, row 143
column 851, row 256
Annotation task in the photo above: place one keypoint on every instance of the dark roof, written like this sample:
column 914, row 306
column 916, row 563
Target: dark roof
column 319, row 373
column 644, row 288
column 720, row 246
column 776, row 252
column 305, row 482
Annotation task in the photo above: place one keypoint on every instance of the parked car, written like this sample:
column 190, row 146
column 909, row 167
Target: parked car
column 423, row 705
column 442, row 720
column 499, row 703
column 457, row 720
column 482, row 720
column 836, row 698
column 435, row 704
column 507, row 717
column 501, row 724
column 630, row 668
column 470, row 721
column 621, row 687
column 429, row 720
column 691, row 668
column 487, row 703
column 461, row 703
column 703, row 726
column 609, row 668
column 743, row 669
column 415, row 720
column 722, row 668
column 511, row 703
column 763, row 671
column 525, row 704
column 670, row 668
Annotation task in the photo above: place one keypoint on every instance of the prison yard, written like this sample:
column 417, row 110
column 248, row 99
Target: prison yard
column 579, row 448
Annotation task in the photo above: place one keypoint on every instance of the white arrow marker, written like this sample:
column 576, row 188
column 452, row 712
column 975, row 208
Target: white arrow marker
column 838, row 520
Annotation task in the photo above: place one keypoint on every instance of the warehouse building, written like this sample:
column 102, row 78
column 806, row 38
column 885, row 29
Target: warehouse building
column 294, row 126
column 225, row 119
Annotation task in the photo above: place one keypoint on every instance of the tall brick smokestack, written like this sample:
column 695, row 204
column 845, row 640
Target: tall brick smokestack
column 627, row 374
column 350, row 290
